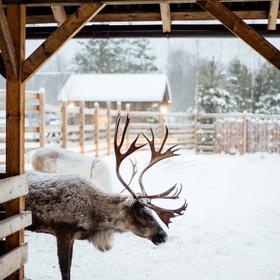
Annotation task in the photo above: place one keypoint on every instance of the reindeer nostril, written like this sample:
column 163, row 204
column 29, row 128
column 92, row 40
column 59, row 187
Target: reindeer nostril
column 160, row 238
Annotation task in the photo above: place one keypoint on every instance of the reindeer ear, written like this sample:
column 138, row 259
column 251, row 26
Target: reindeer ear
column 131, row 202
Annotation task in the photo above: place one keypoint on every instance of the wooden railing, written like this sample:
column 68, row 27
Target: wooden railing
column 34, row 122
column 13, row 258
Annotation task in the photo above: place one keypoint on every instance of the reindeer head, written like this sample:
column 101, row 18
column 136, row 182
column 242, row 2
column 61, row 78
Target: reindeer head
column 141, row 220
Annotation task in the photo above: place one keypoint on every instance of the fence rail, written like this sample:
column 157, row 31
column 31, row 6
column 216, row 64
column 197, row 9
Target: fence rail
column 76, row 126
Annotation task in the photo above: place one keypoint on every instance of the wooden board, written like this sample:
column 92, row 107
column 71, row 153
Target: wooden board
column 12, row 187
column 15, row 223
column 12, row 261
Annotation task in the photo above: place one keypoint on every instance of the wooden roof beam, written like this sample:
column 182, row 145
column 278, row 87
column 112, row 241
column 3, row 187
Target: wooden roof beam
column 59, row 37
column 273, row 14
column 7, row 46
column 59, row 14
column 238, row 27
column 34, row 3
column 151, row 16
column 165, row 17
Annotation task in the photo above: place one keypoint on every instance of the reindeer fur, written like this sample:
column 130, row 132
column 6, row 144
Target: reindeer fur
column 53, row 159
column 71, row 207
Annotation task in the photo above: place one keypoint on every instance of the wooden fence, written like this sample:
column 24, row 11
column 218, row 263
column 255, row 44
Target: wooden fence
column 34, row 122
column 14, row 258
column 91, row 129
column 75, row 126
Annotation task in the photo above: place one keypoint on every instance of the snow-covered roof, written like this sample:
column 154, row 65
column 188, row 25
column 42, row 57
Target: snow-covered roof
column 116, row 87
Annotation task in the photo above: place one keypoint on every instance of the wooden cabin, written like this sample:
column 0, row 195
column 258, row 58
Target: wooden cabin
column 56, row 22
column 143, row 92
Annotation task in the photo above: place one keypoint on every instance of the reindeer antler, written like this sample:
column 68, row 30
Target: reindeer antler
column 121, row 156
column 156, row 155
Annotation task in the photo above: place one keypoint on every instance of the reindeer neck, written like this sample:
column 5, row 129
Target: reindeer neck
column 113, row 213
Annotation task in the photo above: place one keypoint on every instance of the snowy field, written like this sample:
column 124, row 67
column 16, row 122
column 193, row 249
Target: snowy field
column 231, row 229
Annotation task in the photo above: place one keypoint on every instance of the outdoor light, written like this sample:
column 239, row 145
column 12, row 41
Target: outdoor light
column 71, row 105
column 163, row 109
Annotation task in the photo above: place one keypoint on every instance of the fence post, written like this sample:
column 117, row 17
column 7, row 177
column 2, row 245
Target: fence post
column 96, row 128
column 42, row 123
column 195, row 118
column 161, row 123
column 119, row 107
column 108, row 128
column 245, row 127
column 127, row 110
column 64, row 124
column 82, row 126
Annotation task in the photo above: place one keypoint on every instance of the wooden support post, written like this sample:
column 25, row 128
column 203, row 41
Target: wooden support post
column 109, row 119
column 7, row 46
column 165, row 17
column 64, row 124
column 273, row 14
column 238, row 27
column 82, row 126
column 59, row 14
column 42, row 123
column 127, row 110
column 15, row 104
column 59, row 37
column 2, row 67
column 96, row 129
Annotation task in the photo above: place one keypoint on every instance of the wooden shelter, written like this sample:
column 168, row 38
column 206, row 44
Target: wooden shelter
column 142, row 91
column 158, row 17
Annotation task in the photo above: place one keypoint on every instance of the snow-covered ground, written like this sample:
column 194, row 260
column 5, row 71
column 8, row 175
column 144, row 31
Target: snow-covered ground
column 231, row 229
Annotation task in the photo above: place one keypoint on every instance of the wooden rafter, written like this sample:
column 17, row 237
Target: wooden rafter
column 59, row 14
column 6, row 46
column 59, row 37
column 2, row 67
column 34, row 3
column 150, row 16
column 273, row 14
column 238, row 27
column 165, row 17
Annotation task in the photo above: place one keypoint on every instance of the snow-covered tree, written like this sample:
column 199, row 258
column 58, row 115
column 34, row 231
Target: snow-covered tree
column 239, row 84
column 212, row 97
column 181, row 70
column 267, row 89
column 115, row 56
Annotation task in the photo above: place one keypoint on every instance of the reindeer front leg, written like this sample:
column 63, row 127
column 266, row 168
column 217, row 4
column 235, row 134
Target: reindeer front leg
column 64, row 252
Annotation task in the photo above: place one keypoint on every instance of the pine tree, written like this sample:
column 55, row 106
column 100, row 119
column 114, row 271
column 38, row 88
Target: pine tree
column 239, row 84
column 212, row 98
column 267, row 89
column 115, row 56
column 181, row 72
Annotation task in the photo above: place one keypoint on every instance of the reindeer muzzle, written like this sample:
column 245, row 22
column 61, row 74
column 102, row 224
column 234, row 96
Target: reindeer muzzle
column 159, row 238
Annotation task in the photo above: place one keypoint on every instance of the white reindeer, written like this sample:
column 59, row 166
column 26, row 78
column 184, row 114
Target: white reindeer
column 70, row 207
column 53, row 159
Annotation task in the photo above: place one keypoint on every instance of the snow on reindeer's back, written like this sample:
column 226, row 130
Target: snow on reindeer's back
column 53, row 159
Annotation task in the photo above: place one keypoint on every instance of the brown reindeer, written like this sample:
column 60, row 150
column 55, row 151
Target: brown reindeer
column 71, row 207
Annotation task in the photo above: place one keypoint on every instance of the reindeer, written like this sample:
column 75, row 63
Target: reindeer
column 70, row 207
column 53, row 159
